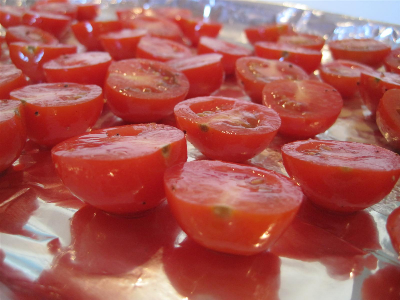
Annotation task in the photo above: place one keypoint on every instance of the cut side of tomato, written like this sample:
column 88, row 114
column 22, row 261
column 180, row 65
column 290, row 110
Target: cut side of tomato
column 393, row 229
column 11, row 16
column 57, row 111
column 342, row 176
column 11, row 78
column 127, row 162
column 55, row 24
column 195, row 28
column 303, row 40
column 229, row 207
column 225, row 128
column 29, row 34
column 266, row 32
column 392, row 61
column 59, row 8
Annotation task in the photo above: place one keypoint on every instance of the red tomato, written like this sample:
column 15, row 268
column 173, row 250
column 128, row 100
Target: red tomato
column 173, row 13
column 88, row 32
column 87, row 11
column 374, row 84
column 31, row 57
column 59, row 8
column 52, row 23
column 230, row 52
column 306, row 107
column 342, row 176
column 204, row 72
column 11, row 16
column 141, row 90
column 161, row 49
column 127, row 15
column 253, row 73
column 85, row 68
column 229, row 207
column 267, row 32
column 11, row 78
column 365, row 51
column 127, row 162
column 303, row 40
column 393, row 228
column 225, row 128
column 392, row 61
column 388, row 118
column 57, row 111
column 308, row 59
column 383, row 284
column 29, row 34
column 12, row 132
column 122, row 44
column 343, row 75
column 194, row 28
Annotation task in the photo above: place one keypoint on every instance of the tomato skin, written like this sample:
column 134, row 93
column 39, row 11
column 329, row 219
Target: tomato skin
column 204, row 72
column 306, row 107
column 266, row 32
column 11, row 16
column 195, row 28
column 128, row 162
column 392, row 61
column 57, row 111
column 87, row 11
column 58, row 8
column 225, row 210
column 393, row 229
column 31, row 57
column 12, row 132
column 343, row 75
column 122, row 44
column 29, row 34
column 341, row 176
column 388, row 118
column 52, row 23
column 309, row 41
column 383, row 284
column 230, row 52
column 141, row 90
column 11, row 78
column 366, row 51
column 84, row 68
column 253, row 73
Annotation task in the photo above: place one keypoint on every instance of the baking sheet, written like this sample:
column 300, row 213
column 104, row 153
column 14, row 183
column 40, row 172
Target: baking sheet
column 52, row 246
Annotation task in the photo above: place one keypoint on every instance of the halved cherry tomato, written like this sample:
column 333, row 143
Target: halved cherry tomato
column 342, row 176
column 161, row 49
column 194, row 28
column 230, row 52
column 392, row 61
column 266, row 32
column 393, row 228
column 59, row 8
column 11, row 16
column 229, row 207
column 57, row 111
column 120, row 169
column 309, row 41
column 374, row 84
column 343, row 75
column 204, row 72
column 11, row 78
column 88, row 32
column 383, row 284
column 30, row 57
column 173, row 13
column 308, row 59
column 142, row 90
column 388, row 117
column 127, row 15
column 253, row 73
column 366, row 51
column 306, row 107
column 85, row 68
column 122, row 44
column 225, row 128
column 12, row 132
column 52, row 23
column 29, row 34
column 87, row 11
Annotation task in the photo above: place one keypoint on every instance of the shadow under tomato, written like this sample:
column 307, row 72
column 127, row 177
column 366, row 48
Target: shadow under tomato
column 199, row 273
column 383, row 285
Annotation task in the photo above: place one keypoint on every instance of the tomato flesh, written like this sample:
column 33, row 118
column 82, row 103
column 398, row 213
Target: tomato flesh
column 11, row 78
column 120, row 169
column 266, row 32
column 52, row 23
column 29, row 34
column 393, row 228
column 308, row 41
column 11, row 16
column 342, row 176
column 195, row 28
column 229, row 207
column 87, row 11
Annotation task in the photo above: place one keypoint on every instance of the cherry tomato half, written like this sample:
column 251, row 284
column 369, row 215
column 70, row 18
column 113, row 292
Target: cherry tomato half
column 342, row 176
column 306, row 107
column 11, row 78
column 57, row 111
column 383, row 284
column 58, row 8
column 308, row 41
column 225, row 128
column 229, row 207
column 142, row 90
column 392, row 61
column 11, row 16
column 194, row 28
column 53, row 23
column 120, row 169
column 393, row 228
column 388, row 117
column 87, row 11
column 29, row 34
column 266, row 32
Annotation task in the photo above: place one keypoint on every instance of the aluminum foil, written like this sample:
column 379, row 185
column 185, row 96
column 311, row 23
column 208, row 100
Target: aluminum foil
column 52, row 246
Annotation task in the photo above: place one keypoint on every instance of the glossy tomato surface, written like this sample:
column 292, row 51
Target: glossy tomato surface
column 342, row 176
column 87, row 11
column 225, row 128
column 229, row 207
column 11, row 15
column 308, row 41
column 306, row 107
column 142, row 90
column 384, row 284
column 12, row 132
column 266, row 32
column 53, row 23
column 392, row 61
column 120, row 169
column 57, row 111
column 59, row 8
column 393, row 228
column 29, row 34
column 195, row 28
column 253, row 73
column 11, row 78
